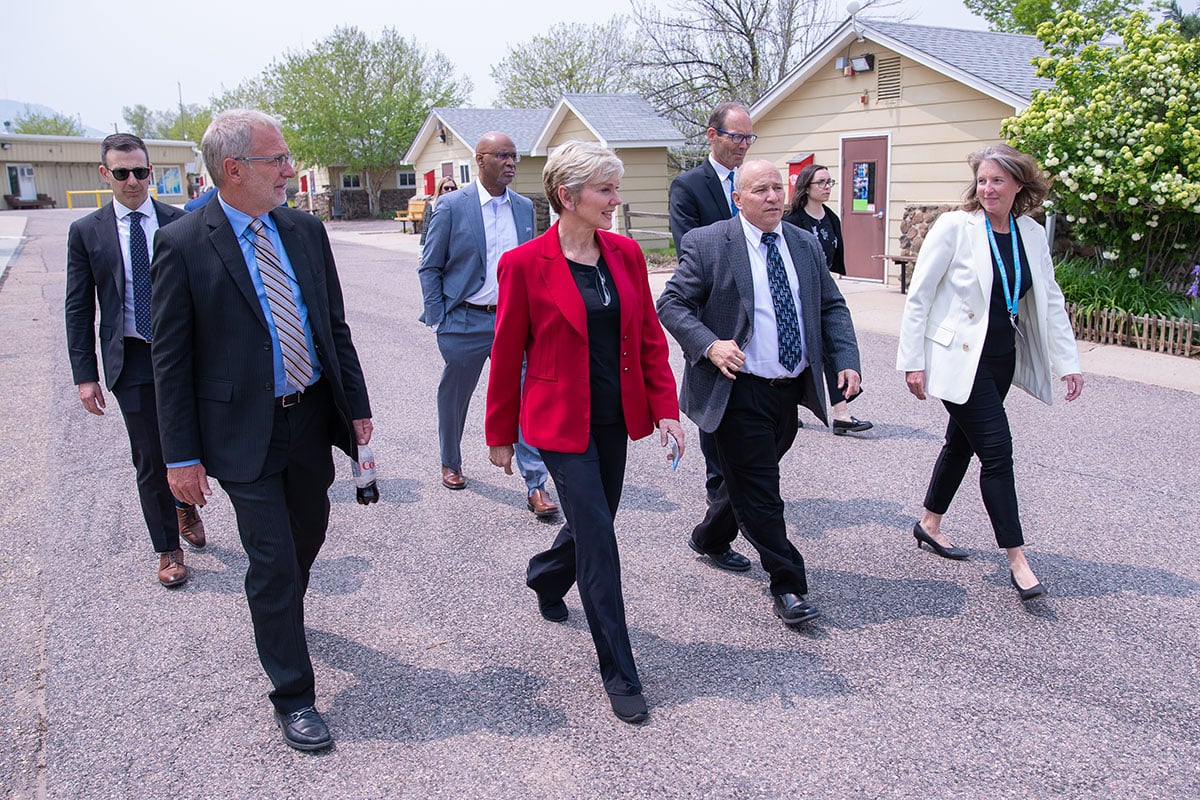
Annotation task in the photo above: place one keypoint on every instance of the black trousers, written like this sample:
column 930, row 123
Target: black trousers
column 758, row 428
column 134, row 391
column 980, row 427
column 585, row 551
column 282, row 516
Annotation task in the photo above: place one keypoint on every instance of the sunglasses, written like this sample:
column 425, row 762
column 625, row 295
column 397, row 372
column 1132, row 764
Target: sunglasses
column 449, row 187
column 122, row 174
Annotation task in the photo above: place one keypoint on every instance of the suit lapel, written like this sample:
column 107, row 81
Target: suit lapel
column 110, row 246
column 739, row 264
column 981, row 252
column 716, row 189
column 560, row 282
column 224, row 241
column 475, row 216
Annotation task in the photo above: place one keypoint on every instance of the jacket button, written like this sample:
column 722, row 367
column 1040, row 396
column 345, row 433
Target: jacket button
column 267, row 345
column 970, row 315
column 966, row 347
column 268, row 386
column 625, row 369
column 625, row 354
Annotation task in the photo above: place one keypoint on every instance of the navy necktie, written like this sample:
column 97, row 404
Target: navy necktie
column 139, row 263
column 786, row 321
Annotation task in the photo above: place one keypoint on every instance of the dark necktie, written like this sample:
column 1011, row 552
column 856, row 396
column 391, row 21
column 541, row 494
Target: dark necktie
column 733, row 209
column 139, row 264
column 786, row 321
column 292, row 345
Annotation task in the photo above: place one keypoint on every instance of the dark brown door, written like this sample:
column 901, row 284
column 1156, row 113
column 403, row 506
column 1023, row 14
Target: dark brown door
column 864, row 184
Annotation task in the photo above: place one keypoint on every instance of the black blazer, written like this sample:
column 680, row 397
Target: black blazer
column 213, row 371
column 835, row 251
column 96, row 270
column 697, row 199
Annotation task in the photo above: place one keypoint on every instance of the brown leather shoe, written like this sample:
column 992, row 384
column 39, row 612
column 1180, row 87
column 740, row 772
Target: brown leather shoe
column 453, row 478
column 191, row 527
column 171, row 571
column 541, row 505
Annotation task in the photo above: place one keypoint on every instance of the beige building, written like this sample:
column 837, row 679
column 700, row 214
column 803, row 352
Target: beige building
column 893, row 110
column 628, row 124
column 35, row 165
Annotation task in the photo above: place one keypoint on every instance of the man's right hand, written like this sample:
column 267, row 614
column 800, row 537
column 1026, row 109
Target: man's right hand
column 92, row 397
column 189, row 484
column 727, row 357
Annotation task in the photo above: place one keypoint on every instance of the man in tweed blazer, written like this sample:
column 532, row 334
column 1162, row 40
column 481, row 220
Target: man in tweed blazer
column 738, row 384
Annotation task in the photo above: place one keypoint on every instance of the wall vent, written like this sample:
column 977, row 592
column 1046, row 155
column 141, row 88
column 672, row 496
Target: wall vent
column 887, row 78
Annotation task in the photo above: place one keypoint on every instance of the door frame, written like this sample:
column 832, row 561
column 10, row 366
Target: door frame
column 885, row 134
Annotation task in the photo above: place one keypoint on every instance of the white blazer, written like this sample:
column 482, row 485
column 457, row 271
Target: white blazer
column 946, row 312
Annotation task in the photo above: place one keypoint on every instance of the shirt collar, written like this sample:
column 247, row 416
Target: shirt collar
column 485, row 198
column 753, row 234
column 240, row 221
column 146, row 208
column 722, row 170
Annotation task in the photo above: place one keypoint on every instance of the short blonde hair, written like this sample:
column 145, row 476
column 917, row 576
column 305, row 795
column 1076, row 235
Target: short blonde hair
column 575, row 165
column 1022, row 167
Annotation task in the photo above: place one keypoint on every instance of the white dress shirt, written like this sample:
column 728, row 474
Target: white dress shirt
column 723, row 173
column 149, row 227
column 762, row 351
column 500, row 232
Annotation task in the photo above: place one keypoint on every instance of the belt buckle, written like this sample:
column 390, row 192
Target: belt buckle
column 294, row 399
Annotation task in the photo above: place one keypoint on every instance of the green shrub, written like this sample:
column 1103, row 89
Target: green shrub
column 1092, row 288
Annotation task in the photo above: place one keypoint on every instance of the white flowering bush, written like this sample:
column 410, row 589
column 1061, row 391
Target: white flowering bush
column 1120, row 133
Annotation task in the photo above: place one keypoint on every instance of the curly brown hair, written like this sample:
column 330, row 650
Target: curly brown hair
column 1022, row 167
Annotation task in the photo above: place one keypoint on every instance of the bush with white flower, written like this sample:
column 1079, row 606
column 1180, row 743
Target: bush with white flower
column 1120, row 133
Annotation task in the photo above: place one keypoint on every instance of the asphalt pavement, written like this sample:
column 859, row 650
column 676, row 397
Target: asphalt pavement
column 439, row 679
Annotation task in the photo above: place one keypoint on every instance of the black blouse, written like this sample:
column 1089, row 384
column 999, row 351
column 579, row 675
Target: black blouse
column 1001, row 338
column 828, row 231
column 603, row 306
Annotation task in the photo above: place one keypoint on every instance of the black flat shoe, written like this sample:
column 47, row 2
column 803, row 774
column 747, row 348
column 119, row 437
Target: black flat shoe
column 854, row 425
column 629, row 708
column 1032, row 593
column 951, row 552
column 304, row 729
column 553, row 610
column 730, row 560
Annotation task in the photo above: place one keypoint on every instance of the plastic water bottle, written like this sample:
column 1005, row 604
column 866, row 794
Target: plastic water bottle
column 364, row 476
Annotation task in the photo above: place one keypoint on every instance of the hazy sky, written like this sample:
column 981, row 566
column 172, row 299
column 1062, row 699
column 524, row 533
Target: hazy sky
column 85, row 58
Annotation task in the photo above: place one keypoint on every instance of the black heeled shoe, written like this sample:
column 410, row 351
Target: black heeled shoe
column 951, row 552
column 1032, row 593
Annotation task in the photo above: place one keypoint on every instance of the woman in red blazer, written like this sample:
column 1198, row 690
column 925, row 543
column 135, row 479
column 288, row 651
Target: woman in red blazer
column 575, row 309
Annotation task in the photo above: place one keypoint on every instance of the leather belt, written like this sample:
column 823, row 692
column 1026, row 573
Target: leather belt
column 289, row 400
column 475, row 307
column 770, row 381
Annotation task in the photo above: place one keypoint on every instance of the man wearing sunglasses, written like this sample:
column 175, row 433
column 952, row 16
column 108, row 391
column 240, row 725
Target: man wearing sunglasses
column 108, row 260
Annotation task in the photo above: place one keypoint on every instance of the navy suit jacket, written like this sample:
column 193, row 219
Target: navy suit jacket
column 711, row 297
column 96, row 271
column 213, row 368
column 454, row 257
column 697, row 199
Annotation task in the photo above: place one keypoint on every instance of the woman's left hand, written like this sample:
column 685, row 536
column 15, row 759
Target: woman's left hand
column 673, row 428
column 502, row 456
column 1074, row 386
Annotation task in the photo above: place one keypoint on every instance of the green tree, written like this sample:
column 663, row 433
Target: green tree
column 355, row 102
column 140, row 121
column 569, row 57
column 169, row 124
column 1189, row 24
column 1024, row 16
column 1120, row 131
column 53, row 124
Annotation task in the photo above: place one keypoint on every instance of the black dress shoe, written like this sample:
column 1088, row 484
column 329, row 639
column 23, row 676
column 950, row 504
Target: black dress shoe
column 553, row 610
column 794, row 609
column 304, row 729
column 629, row 708
column 734, row 562
column 945, row 551
column 855, row 425
column 1032, row 593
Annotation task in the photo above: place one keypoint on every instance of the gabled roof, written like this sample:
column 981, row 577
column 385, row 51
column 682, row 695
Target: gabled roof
column 616, row 120
column 468, row 124
column 998, row 65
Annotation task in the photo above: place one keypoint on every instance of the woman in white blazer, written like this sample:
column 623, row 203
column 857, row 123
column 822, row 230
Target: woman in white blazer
column 984, row 313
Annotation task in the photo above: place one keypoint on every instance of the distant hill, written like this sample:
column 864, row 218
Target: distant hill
column 11, row 109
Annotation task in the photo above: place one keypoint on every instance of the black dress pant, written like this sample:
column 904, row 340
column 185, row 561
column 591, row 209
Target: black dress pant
column 980, row 426
column 282, row 517
column 134, row 391
column 758, row 428
column 585, row 551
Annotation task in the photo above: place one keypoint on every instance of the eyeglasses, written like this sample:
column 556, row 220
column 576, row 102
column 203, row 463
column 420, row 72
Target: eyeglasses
column 122, row 174
column 738, row 138
column 282, row 161
column 503, row 156
column 829, row 184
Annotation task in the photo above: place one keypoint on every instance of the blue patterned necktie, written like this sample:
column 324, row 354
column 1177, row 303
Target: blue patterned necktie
column 733, row 209
column 786, row 321
column 293, row 345
column 139, row 265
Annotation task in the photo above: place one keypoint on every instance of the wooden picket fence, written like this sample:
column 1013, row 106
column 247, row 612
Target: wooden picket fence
column 1158, row 334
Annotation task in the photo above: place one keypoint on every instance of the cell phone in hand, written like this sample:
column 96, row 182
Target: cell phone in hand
column 674, row 453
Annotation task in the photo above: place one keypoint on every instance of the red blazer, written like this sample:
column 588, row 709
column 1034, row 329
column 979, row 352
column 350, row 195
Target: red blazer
column 541, row 320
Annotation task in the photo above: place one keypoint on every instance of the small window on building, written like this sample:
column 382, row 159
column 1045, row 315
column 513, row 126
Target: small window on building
column 351, row 180
column 887, row 77
column 406, row 180
column 464, row 174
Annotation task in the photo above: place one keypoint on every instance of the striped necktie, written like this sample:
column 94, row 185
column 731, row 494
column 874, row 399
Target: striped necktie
column 297, row 366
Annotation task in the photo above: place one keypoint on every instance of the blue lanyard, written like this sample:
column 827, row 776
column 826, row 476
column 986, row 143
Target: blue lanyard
column 1010, row 297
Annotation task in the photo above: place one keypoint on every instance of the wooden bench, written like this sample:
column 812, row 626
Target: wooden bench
column 414, row 213
column 17, row 204
column 402, row 218
column 905, row 263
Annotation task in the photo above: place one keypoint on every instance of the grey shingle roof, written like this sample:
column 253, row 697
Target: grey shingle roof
column 623, row 118
column 521, row 124
column 1001, row 59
